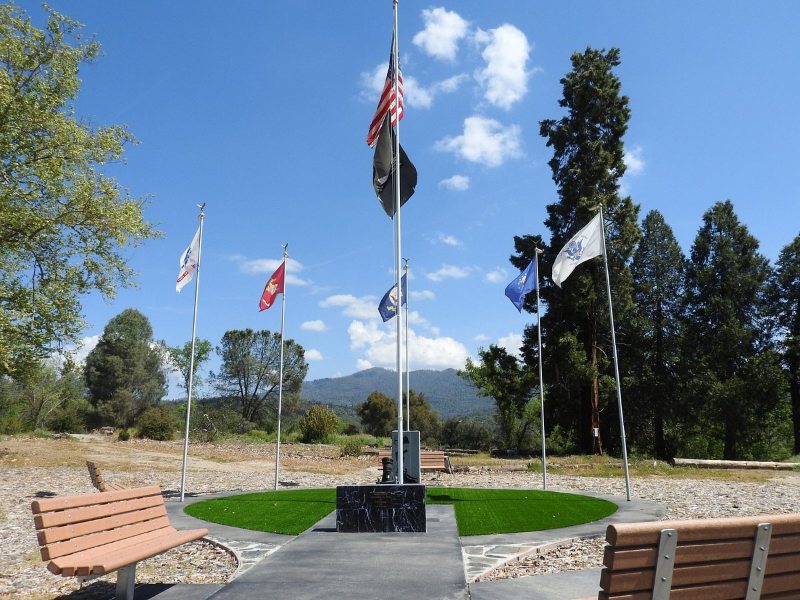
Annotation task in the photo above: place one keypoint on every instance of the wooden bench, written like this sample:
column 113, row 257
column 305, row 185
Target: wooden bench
column 712, row 559
column 94, row 534
column 98, row 481
column 429, row 460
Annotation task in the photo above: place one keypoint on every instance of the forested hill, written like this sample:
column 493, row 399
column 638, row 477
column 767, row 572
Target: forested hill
column 449, row 394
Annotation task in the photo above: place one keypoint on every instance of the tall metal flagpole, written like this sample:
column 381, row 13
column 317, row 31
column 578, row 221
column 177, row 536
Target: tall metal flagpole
column 541, row 377
column 202, row 217
column 408, row 367
column 398, row 249
column 280, row 376
column 616, row 361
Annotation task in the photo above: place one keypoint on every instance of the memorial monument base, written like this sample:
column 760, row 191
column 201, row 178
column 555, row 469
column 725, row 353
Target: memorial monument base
column 380, row 508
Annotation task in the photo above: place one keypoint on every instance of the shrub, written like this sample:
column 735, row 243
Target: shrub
column 156, row 423
column 318, row 424
column 351, row 447
column 124, row 435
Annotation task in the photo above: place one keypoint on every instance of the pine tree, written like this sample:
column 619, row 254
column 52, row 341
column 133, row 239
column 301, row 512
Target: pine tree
column 732, row 376
column 658, row 269
column 786, row 305
column 587, row 164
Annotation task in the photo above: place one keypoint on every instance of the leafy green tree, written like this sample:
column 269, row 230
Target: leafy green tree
column 658, row 269
column 181, row 359
column 500, row 376
column 423, row 419
column 156, row 423
column 124, row 371
column 733, row 375
column 63, row 222
column 250, row 371
column 378, row 414
column 587, row 164
column 786, row 306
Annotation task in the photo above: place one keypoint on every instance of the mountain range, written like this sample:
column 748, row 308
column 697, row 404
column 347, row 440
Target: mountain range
column 449, row 394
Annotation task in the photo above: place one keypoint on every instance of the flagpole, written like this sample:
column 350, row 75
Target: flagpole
column 398, row 248
column 202, row 217
column 280, row 376
column 541, row 377
column 408, row 367
column 616, row 361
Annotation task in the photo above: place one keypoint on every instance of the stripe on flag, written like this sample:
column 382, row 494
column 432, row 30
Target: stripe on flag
column 387, row 102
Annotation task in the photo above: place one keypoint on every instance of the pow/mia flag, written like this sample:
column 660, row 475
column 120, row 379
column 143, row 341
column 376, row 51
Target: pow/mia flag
column 383, row 171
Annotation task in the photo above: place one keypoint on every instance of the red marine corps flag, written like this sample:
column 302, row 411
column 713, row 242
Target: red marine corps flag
column 273, row 288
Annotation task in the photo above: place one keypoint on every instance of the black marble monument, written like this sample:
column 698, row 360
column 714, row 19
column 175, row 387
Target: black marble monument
column 380, row 508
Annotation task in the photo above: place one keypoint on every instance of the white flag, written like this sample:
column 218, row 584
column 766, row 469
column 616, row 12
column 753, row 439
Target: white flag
column 188, row 262
column 585, row 244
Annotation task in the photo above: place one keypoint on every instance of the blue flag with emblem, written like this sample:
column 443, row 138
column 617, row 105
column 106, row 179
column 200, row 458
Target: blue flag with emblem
column 522, row 284
column 388, row 305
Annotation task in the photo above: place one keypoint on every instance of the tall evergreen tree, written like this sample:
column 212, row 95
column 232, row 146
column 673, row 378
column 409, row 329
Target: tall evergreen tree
column 658, row 269
column 124, row 371
column 733, row 378
column 587, row 163
column 786, row 303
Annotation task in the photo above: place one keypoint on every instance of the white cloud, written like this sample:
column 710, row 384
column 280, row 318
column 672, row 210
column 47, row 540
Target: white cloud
column 365, row 307
column 498, row 275
column 456, row 182
column 449, row 240
column 634, row 162
column 504, row 78
column 443, row 30
column 415, row 93
column 317, row 325
column 362, row 364
column 267, row 266
column 422, row 295
column 484, row 141
column 378, row 344
column 448, row 272
column 512, row 343
column 313, row 354
column 481, row 337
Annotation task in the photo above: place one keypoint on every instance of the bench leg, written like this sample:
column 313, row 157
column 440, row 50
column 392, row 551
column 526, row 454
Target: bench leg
column 126, row 581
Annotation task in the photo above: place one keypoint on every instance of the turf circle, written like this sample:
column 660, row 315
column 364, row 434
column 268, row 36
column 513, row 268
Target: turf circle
column 479, row 511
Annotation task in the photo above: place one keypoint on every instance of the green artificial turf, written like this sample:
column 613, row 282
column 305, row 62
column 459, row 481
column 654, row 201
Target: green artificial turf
column 290, row 511
column 478, row 511
column 488, row 511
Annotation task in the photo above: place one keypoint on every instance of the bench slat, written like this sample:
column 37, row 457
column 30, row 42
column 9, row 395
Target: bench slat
column 86, row 542
column 100, row 513
column 698, row 574
column 640, row 558
column 114, row 556
column 647, row 534
column 45, row 505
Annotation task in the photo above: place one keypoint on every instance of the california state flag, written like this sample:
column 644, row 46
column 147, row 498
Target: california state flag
column 273, row 288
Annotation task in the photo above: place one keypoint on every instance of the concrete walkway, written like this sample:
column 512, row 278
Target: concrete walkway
column 437, row 565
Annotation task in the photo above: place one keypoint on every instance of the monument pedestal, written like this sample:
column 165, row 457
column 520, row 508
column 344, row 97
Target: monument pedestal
column 380, row 508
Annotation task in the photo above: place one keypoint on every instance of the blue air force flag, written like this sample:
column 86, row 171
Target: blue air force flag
column 188, row 262
column 585, row 244
column 524, row 283
column 388, row 305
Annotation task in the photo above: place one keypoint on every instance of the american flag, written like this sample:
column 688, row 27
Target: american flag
column 387, row 102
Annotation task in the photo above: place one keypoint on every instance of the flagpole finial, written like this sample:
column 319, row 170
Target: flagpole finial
column 285, row 249
column 538, row 250
column 202, row 208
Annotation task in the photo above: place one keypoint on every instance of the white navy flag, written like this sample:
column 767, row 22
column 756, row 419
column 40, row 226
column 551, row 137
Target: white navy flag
column 585, row 244
column 188, row 262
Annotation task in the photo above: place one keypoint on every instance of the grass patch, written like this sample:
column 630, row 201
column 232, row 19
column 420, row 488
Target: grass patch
column 488, row 511
column 478, row 511
column 289, row 512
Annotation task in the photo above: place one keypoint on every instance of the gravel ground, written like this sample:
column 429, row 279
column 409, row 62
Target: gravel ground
column 23, row 575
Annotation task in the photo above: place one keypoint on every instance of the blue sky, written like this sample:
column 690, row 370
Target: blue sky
column 260, row 110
